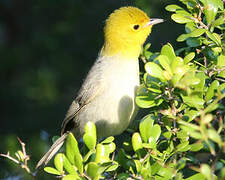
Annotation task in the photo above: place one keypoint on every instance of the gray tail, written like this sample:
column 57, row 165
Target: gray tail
column 51, row 152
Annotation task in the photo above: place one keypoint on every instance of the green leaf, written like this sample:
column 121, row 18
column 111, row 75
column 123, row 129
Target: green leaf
column 181, row 19
column 123, row 176
column 194, row 33
column 222, row 74
column 109, row 148
column 221, row 88
column 138, row 165
column 71, row 148
column 71, row 177
column 192, row 132
column 92, row 170
column 199, row 88
column 90, row 136
column 146, row 171
column 182, row 147
column 193, row 42
column 180, row 72
column 206, row 171
column 73, row 152
column 154, row 70
column 191, row 114
column 173, row 8
column 165, row 172
column 136, row 141
column 102, row 155
column 214, row 38
column 189, row 79
column 108, row 140
column 197, row 32
column 19, row 154
column 58, row 162
column 196, row 147
column 165, row 63
column 197, row 176
column 213, row 135
column 167, row 134
column 112, row 167
column 183, row 135
column 51, row 170
column 182, row 37
column 210, row 9
column 168, row 51
column 193, row 101
column 189, row 27
column 218, row 21
column 150, row 84
column 146, row 99
column 210, row 92
column 156, row 167
column 177, row 63
column 68, row 166
column 156, row 131
column 88, row 155
column 221, row 61
column 145, row 127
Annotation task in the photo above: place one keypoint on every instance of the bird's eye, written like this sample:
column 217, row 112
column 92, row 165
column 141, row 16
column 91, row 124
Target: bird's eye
column 136, row 27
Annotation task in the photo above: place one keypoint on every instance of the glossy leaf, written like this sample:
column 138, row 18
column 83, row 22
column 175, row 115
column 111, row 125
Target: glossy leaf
column 179, row 18
column 193, row 42
column 90, row 136
column 221, row 61
column 218, row 21
column 206, row 171
column 73, row 152
column 154, row 70
column 102, row 155
column 156, row 132
column 196, row 147
column 92, row 170
column 189, row 57
column 165, row 63
column 210, row 92
column 184, row 146
column 108, row 140
column 51, row 170
column 214, row 38
column 168, row 51
column 197, row 176
column 145, row 127
column 71, row 177
column 68, row 166
column 136, row 141
column 210, row 9
column 213, row 135
column 173, row 8
column 146, row 99
column 58, row 162
column 193, row 101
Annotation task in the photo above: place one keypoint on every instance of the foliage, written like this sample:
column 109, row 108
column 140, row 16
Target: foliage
column 182, row 137
column 183, row 91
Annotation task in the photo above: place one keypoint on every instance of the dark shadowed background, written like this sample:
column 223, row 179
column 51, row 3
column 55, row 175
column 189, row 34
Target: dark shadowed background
column 46, row 49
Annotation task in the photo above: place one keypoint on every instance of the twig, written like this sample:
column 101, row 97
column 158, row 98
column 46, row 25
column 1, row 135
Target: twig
column 10, row 157
column 22, row 161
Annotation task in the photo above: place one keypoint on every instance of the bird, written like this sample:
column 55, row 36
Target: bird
column 107, row 95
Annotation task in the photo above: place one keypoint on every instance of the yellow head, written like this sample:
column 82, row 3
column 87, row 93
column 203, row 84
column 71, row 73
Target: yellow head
column 125, row 31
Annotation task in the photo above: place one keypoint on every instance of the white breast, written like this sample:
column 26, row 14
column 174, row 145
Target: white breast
column 113, row 108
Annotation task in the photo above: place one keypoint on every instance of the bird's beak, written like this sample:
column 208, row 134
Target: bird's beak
column 154, row 21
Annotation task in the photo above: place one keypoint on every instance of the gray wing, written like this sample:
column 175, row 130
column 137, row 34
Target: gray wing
column 90, row 89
